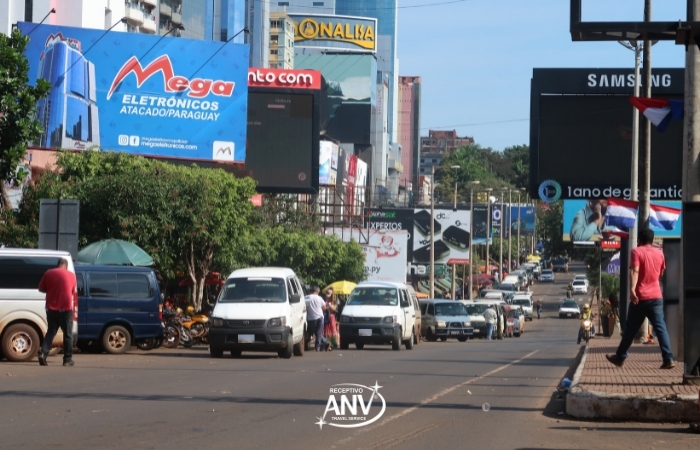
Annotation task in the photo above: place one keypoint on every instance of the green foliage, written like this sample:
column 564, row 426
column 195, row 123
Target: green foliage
column 611, row 285
column 550, row 222
column 17, row 105
column 285, row 210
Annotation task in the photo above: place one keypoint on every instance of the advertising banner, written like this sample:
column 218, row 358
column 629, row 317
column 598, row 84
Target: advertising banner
column 386, row 255
column 584, row 220
column 328, row 163
column 140, row 93
column 526, row 224
column 351, row 171
column 452, row 235
column 335, row 32
column 391, row 220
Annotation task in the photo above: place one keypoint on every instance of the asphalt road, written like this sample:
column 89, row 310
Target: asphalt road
column 434, row 397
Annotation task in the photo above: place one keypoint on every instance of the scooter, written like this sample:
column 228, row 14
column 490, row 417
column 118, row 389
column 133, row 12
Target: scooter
column 586, row 327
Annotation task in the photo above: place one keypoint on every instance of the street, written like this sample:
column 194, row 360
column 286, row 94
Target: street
column 435, row 397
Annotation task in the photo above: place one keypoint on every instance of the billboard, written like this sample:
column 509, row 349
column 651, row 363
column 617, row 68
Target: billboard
column 581, row 135
column 391, row 220
column 140, row 93
column 451, row 230
column 584, row 220
column 283, row 130
column 328, row 163
column 386, row 255
column 333, row 32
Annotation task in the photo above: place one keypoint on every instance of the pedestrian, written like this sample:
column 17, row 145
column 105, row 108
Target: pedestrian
column 330, row 332
column 315, row 306
column 490, row 317
column 448, row 296
column 458, row 293
column 539, row 309
column 60, row 287
column 605, row 312
column 647, row 265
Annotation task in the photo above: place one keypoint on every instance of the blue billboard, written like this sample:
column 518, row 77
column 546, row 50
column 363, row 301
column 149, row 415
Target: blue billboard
column 584, row 220
column 138, row 93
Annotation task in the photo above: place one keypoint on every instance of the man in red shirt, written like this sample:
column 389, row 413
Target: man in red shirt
column 647, row 265
column 60, row 287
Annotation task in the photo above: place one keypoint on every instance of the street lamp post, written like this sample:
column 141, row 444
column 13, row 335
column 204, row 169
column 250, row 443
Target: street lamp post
column 510, row 227
column 432, row 232
column 500, row 241
column 471, row 238
column 488, row 229
column 518, row 252
column 454, row 266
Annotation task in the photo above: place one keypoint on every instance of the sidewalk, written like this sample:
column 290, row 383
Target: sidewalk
column 639, row 391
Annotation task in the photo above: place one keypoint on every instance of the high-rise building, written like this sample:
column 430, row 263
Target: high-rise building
column 303, row 6
column 387, row 26
column 409, row 129
column 281, row 41
column 436, row 145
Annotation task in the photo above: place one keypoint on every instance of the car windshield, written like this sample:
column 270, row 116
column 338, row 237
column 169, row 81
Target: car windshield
column 374, row 296
column 569, row 304
column 580, row 278
column 476, row 310
column 254, row 290
column 579, row 283
column 522, row 302
column 450, row 309
column 506, row 287
column 547, row 272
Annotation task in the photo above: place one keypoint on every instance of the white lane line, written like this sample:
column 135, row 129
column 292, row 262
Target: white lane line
column 431, row 399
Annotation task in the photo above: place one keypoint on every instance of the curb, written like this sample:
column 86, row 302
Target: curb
column 585, row 404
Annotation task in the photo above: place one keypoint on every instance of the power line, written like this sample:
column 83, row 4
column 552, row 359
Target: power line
column 316, row 8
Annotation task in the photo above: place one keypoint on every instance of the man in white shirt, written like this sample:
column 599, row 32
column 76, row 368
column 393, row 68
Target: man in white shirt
column 490, row 317
column 314, row 317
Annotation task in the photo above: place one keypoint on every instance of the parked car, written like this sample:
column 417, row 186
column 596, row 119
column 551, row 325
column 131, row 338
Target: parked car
column 547, row 275
column 378, row 313
column 580, row 277
column 509, row 318
column 519, row 320
column 517, row 281
column 119, row 306
column 446, row 319
column 569, row 309
column 525, row 302
column 560, row 265
column 417, row 327
column 580, row 287
column 508, row 287
column 476, row 316
column 23, row 323
column 259, row 309
column 500, row 329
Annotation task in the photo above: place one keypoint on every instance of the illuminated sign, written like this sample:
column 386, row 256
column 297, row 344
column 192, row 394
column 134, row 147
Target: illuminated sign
column 282, row 78
column 337, row 32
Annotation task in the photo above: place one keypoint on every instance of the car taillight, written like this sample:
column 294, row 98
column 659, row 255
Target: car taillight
column 75, row 311
column 160, row 311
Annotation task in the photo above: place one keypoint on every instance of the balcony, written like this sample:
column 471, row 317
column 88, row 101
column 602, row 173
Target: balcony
column 150, row 2
column 177, row 18
column 134, row 15
column 166, row 10
column 149, row 24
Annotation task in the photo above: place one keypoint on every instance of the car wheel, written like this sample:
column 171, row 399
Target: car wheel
column 518, row 334
column 416, row 337
column 359, row 345
column 431, row 336
column 299, row 348
column 116, row 340
column 216, row 352
column 236, row 353
column 20, row 343
column 409, row 342
column 463, row 338
column 287, row 352
column 396, row 344
column 443, row 338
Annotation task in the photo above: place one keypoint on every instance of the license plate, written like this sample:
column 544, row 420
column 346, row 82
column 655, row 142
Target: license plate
column 364, row 332
column 455, row 333
column 568, row 315
column 246, row 338
column 476, row 331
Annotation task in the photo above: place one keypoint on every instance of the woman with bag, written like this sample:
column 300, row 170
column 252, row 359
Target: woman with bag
column 330, row 331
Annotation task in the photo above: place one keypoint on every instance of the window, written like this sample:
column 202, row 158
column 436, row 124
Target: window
column 318, row 3
column 273, row 52
column 431, row 312
column 423, row 307
column 133, row 285
column 282, row 3
column 24, row 272
column 274, row 39
column 103, row 284
column 292, row 288
column 80, row 283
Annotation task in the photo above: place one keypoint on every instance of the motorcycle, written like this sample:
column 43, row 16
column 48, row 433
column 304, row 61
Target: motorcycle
column 586, row 327
column 174, row 332
column 197, row 327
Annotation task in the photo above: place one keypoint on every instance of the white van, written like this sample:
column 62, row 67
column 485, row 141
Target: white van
column 23, row 322
column 378, row 313
column 259, row 309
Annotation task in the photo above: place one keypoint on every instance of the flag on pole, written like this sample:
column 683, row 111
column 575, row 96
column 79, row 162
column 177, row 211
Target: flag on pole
column 663, row 216
column 621, row 214
column 659, row 111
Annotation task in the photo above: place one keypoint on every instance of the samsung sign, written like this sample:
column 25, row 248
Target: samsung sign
column 335, row 32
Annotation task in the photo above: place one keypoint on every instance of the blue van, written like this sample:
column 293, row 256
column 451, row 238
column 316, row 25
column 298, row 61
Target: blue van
column 118, row 306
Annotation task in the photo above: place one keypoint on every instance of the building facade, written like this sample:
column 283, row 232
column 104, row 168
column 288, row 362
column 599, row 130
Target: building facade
column 281, row 41
column 409, row 130
column 436, row 145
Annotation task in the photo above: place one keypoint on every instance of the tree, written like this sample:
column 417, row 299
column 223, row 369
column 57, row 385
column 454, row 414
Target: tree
column 550, row 224
column 17, row 106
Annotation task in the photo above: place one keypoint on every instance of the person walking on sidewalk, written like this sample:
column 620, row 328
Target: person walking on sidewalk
column 60, row 287
column 490, row 317
column 315, row 308
column 647, row 265
column 539, row 309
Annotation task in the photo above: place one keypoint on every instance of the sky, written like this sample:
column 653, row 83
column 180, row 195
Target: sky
column 475, row 57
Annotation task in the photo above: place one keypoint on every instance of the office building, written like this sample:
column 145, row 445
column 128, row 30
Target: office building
column 281, row 41
column 436, row 145
column 303, row 6
column 409, row 129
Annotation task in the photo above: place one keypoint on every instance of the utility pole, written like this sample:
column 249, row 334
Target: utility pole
column 518, row 250
column 510, row 228
column 487, row 265
column 500, row 244
column 432, row 231
column 691, row 182
column 471, row 238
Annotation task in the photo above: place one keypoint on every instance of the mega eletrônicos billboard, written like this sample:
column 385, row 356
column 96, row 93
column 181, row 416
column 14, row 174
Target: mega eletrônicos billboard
column 138, row 93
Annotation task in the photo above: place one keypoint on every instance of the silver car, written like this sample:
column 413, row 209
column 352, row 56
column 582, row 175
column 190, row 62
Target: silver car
column 547, row 275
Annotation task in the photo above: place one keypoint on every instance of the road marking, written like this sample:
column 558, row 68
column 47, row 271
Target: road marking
column 431, row 399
